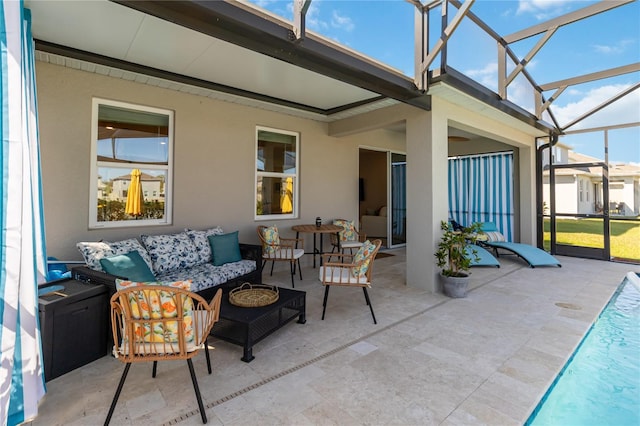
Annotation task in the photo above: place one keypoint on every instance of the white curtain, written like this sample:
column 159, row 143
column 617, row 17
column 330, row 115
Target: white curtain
column 481, row 190
column 22, row 246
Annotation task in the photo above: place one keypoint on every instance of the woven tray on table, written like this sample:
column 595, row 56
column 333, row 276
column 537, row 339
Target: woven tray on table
column 253, row 295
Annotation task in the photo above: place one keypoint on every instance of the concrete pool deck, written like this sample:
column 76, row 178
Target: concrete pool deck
column 484, row 359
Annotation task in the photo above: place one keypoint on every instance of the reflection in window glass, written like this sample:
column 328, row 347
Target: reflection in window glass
column 276, row 174
column 132, row 165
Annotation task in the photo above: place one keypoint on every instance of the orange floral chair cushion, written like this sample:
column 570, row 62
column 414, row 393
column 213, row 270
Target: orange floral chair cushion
column 156, row 305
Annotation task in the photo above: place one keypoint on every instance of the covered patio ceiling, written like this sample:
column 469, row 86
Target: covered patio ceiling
column 236, row 52
column 228, row 48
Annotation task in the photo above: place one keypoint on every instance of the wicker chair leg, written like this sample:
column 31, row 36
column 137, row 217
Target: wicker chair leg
column 299, row 268
column 366, row 296
column 324, row 302
column 273, row 262
column 117, row 395
column 197, row 389
column 155, row 369
column 206, row 352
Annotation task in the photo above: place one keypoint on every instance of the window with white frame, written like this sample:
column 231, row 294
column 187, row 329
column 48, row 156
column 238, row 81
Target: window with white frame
column 276, row 174
column 131, row 152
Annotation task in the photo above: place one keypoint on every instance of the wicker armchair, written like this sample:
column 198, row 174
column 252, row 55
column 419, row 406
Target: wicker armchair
column 159, row 323
column 351, row 271
column 276, row 248
column 349, row 237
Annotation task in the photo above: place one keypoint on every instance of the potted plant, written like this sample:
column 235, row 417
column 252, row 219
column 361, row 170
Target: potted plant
column 454, row 256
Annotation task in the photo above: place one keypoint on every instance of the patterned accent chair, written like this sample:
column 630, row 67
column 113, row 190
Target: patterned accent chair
column 348, row 238
column 350, row 271
column 159, row 323
column 278, row 249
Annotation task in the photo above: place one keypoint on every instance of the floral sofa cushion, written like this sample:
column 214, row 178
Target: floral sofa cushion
column 170, row 252
column 92, row 252
column 205, row 275
column 200, row 240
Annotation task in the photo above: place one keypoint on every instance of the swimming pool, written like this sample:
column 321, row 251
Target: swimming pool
column 600, row 384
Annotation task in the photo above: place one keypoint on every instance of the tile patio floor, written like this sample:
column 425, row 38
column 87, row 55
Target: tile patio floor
column 485, row 359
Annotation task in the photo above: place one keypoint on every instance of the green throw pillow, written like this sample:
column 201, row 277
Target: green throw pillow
column 130, row 265
column 225, row 248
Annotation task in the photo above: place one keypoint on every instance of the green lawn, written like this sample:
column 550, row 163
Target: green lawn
column 625, row 235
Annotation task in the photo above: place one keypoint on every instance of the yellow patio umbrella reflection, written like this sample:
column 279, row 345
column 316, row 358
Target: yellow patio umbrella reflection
column 135, row 197
column 286, row 199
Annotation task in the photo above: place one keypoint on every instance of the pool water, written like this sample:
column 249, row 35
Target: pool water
column 600, row 385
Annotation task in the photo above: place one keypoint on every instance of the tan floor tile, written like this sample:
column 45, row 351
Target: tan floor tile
column 485, row 359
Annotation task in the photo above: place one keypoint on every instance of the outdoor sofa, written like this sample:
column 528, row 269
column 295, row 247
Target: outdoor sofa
column 209, row 258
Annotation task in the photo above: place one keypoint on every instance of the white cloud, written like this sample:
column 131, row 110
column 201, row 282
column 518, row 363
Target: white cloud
column 342, row 22
column 617, row 48
column 518, row 92
column 313, row 19
column 622, row 111
column 542, row 9
column 264, row 3
column 487, row 76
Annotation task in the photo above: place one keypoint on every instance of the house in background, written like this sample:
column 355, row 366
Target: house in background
column 152, row 187
column 578, row 190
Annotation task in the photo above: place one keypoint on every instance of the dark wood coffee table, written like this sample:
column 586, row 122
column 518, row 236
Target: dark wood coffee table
column 248, row 326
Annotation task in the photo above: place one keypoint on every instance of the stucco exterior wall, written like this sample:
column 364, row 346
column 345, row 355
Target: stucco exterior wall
column 214, row 163
column 214, row 160
column 427, row 202
column 498, row 134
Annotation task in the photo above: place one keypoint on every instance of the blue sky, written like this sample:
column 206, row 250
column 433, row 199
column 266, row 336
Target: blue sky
column 383, row 30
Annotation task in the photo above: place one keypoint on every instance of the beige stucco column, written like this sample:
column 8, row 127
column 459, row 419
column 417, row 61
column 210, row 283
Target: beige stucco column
column 426, row 196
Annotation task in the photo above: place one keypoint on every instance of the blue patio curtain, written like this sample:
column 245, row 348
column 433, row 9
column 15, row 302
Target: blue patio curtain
column 481, row 190
column 22, row 246
column 398, row 194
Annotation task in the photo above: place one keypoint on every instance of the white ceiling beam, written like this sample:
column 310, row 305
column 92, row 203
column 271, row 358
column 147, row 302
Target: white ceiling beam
column 300, row 8
column 518, row 69
column 602, row 105
column 446, row 34
column 566, row 19
column 612, row 72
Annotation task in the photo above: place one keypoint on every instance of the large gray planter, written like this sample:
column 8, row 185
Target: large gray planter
column 455, row 287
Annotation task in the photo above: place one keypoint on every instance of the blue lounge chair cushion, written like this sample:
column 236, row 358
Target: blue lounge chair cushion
column 484, row 257
column 532, row 255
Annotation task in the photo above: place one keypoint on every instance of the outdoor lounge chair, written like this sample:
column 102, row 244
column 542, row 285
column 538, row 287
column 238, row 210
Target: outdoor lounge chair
column 484, row 258
column 530, row 254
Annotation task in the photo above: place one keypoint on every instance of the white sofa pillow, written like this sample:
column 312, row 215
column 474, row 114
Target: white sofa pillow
column 92, row 252
column 200, row 240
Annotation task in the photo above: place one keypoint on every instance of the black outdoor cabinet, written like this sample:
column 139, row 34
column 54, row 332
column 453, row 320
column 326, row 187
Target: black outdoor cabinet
column 74, row 323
